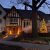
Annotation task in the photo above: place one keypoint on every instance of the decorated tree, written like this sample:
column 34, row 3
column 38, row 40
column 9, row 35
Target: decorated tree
column 43, row 27
column 36, row 4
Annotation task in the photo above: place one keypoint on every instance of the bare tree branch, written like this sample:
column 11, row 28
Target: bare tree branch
column 35, row 3
column 27, row 5
column 13, row 3
column 43, row 1
column 47, row 4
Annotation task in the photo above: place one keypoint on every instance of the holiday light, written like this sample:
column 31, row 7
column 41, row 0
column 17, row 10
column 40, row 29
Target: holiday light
column 43, row 28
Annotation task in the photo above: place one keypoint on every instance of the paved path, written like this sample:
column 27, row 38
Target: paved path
column 8, row 38
column 26, row 45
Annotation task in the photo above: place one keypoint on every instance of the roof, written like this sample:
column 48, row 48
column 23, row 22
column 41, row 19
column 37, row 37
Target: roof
column 27, row 13
column 22, row 13
column 43, row 15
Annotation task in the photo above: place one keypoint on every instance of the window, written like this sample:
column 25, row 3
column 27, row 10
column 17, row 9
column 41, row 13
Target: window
column 26, row 23
column 14, row 20
column 0, row 20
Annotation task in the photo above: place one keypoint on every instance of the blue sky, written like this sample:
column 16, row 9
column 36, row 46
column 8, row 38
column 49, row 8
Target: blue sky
column 7, row 4
column 45, row 9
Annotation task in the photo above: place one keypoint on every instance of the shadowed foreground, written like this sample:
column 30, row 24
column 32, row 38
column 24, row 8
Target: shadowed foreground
column 7, row 47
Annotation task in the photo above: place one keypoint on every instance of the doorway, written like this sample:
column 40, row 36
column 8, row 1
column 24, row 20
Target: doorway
column 11, row 30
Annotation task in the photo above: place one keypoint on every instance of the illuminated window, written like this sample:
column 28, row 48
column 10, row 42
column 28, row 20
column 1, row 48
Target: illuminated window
column 26, row 23
column 14, row 20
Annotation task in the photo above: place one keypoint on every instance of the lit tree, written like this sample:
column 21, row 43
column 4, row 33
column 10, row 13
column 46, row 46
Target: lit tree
column 43, row 27
column 36, row 4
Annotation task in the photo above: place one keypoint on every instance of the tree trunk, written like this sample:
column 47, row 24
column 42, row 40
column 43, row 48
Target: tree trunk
column 34, row 20
column 34, row 15
column 34, row 24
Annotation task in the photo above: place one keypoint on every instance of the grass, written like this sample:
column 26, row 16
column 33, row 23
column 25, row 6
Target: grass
column 7, row 47
column 21, row 40
column 45, row 38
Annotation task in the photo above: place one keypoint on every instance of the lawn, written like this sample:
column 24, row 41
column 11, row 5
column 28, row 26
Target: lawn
column 28, row 40
column 21, row 40
column 46, row 38
column 7, row 47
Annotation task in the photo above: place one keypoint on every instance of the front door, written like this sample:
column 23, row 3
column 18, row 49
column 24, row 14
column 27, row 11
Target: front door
column 11, row 30
column 14, row 29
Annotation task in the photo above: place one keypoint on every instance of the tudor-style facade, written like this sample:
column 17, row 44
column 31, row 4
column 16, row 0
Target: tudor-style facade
column 15, row 21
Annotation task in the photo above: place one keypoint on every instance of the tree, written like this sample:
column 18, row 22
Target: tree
column 43, row 28
column 36, row 4
column 34, row 17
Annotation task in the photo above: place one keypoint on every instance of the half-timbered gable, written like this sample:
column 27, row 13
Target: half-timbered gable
column 12, row 17
column 13, row 13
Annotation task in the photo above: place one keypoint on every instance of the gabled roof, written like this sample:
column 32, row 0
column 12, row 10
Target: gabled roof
column 27, row 13
column 22, row 13
column 3, row 8
column 9, row 9
column 3, row 12
column 43, row 15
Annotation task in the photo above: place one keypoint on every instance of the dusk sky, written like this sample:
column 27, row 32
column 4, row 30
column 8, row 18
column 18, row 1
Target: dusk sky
column 7, row 4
